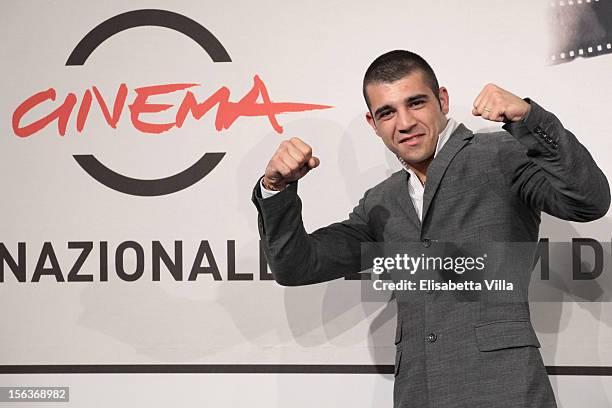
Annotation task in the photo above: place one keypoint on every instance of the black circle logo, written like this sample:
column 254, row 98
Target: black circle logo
column 122, row 22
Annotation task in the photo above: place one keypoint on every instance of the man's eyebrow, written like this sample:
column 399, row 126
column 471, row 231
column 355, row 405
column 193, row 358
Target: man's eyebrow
column 407, row 101
column 414, row 98
column 381, row 109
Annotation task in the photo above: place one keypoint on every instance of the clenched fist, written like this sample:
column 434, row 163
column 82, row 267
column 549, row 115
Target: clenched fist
column 291, row 161
column 498, row 105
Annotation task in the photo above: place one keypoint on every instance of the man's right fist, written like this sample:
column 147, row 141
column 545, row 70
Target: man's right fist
column 291, row 161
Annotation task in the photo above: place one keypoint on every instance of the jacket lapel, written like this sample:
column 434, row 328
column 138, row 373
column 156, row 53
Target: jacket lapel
column 460, row 137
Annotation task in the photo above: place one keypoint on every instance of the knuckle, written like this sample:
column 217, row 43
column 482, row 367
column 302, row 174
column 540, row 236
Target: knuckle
column 285, row 172
column 274, row 165
column 282, row 151
column 291, row 163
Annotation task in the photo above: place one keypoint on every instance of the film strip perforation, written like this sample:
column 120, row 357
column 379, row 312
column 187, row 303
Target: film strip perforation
column 565, row 3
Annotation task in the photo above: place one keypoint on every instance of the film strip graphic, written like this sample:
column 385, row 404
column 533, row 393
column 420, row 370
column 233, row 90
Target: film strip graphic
column 580, row 29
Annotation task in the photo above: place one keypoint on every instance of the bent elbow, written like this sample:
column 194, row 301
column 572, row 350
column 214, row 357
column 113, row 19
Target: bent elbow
column 594, row 211
column 601, row 211
column 287, row 277
column 602, row 205
column 285, row 280
column 591, row 205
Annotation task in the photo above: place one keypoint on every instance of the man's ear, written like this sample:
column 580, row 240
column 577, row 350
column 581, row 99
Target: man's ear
column 444, row 99
column 370, row 120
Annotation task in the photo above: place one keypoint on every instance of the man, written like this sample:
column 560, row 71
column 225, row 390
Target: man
column 456, row 187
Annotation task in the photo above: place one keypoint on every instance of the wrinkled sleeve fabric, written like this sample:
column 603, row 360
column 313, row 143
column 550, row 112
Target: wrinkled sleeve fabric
column 553, row 172
column 296, row 257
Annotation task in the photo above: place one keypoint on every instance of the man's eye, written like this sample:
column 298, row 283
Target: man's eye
column 384, row 114
column 416, row 104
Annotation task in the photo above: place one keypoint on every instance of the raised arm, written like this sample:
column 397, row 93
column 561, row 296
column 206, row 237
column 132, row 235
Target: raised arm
column 296, row 257
column 553, row 172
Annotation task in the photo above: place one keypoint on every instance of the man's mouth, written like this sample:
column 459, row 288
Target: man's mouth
column 411, row 140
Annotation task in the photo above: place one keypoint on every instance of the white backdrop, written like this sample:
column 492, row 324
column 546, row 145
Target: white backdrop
column 306, row 52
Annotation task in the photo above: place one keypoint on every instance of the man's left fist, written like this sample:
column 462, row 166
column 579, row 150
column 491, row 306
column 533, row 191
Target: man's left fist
column 497, row 104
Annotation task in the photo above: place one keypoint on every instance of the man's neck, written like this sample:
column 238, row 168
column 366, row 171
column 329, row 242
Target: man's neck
column 420, row 169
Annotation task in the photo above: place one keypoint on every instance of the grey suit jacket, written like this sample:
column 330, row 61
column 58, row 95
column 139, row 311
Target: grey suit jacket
column 480, row 187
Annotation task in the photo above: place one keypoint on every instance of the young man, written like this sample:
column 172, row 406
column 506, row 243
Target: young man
column 456, row 186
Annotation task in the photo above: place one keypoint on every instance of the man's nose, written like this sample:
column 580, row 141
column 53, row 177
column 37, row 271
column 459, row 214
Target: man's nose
column 405, row 121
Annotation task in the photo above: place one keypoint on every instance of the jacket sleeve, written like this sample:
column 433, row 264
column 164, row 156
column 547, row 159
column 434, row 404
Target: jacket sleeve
column 298, row 258
column 556, row 174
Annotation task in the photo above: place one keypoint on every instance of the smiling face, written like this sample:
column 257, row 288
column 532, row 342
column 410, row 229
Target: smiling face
column 408, row 117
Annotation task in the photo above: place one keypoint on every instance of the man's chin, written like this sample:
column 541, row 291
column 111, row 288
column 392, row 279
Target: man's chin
column 416, row 160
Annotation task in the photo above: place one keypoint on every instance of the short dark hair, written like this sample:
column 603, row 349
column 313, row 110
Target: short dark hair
column 395, row 65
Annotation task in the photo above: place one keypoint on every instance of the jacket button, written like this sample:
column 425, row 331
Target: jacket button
column 432, row 337
column 426, row 243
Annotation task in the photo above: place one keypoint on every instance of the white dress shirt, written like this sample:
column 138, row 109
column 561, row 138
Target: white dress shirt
column 415, row 188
